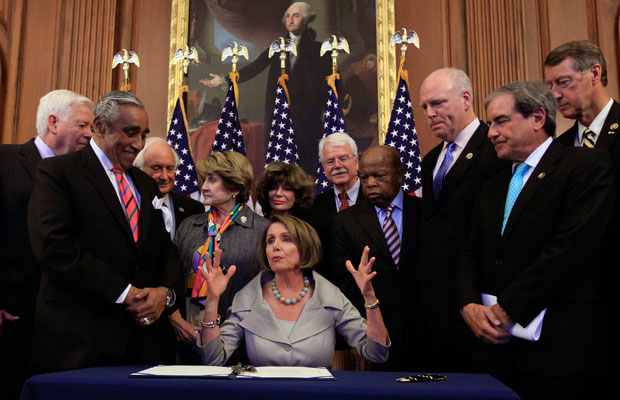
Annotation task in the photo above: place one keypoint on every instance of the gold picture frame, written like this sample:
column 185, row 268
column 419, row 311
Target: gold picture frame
column 386, row 58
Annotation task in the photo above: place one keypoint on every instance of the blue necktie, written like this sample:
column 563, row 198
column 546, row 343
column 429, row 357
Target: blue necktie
column 516, row 184
column 443, row 169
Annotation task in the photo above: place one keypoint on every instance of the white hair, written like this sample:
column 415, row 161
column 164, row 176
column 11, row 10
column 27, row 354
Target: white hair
column 139, row 161
column 337, row 139
column 58, row 102
column 306, row 12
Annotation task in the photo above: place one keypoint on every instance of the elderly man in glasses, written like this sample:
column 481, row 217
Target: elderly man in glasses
column 338, row 154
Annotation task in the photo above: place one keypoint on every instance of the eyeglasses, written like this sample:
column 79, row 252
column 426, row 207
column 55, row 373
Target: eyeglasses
column 343, row 160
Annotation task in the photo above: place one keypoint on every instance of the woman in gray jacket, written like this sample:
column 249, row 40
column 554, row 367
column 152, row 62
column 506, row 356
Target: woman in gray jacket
column 289, row 315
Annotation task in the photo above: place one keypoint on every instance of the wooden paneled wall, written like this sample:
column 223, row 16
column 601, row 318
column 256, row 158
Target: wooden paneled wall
column 49, row 44
column 69, row 44
column 499, row 41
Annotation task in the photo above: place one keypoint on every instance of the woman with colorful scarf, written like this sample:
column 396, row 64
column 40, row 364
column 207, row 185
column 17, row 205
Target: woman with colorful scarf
column 229, row 225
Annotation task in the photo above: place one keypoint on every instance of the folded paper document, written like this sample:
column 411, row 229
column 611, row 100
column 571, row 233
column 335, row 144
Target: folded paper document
column 531, row 332
column 205, row 371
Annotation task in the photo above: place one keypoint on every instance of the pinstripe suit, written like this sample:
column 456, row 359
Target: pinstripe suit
column 358, row 226
column 19, row 274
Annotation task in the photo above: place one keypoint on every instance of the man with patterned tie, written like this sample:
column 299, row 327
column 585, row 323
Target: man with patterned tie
column 338, row 155
column 386, row 220
column 159, row 160
column 536, row 231
column 576, row 72
column 452, row 174
column 109, row 268
column 63, row 125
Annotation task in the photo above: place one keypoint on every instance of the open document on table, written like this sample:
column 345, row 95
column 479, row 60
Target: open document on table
column 531, row 332
column 205, row 371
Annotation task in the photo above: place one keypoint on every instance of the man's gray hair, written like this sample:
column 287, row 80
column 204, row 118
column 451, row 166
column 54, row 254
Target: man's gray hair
column 306, row 12
column 139, row 161
column 58, row 102
column 106, row 109
column 584, row 54
column 337, row 139
column 528, row 97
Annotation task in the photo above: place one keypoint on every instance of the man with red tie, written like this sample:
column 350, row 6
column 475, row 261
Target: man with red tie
column 109, row 269
column 338, row 155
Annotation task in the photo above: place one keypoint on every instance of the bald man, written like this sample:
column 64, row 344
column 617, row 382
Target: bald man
column 452, row 174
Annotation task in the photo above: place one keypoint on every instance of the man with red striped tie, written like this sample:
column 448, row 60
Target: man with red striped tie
column 109, row 268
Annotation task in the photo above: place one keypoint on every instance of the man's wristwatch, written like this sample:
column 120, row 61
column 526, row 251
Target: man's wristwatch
column 170, row 297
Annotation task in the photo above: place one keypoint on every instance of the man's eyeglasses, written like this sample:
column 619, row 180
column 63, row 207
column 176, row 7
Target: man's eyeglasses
column 332, row 161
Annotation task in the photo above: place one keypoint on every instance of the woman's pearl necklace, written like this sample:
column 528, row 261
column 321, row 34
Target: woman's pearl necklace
column 290, row 301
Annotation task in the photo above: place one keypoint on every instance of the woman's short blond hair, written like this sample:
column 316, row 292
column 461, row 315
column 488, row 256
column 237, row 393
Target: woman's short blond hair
column 304, row 236
column 289, row 174
column 234, row 169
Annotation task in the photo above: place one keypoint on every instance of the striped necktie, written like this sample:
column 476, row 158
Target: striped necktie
column 131, row 206
column 516, row 184
column 588, row 138
column 344, row 201
column 391, row 234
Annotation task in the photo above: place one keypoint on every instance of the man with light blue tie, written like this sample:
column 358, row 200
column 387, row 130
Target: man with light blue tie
column 453, row 173
column 536, row 231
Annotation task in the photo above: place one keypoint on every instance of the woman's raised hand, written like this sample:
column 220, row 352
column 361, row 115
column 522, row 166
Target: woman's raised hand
column 364, row 273
column 214, row 276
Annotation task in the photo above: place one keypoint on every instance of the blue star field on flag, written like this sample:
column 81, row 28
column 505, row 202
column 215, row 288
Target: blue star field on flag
column 402, row 135
column 228, row 135
column 334, row 122
column 186, row 180
column 281, row 146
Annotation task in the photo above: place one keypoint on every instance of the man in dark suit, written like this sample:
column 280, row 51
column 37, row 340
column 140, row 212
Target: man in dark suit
column 109, row 269
column 338, row 155
column 383, row 207
column 534, row 240
column 64, row 121
column 306, row 83
column 577, row 73
column 452, row 174
column 159, row 160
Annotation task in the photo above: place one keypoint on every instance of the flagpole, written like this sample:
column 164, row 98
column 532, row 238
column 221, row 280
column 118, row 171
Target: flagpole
column 281, row 145
column 334, row 117
column 125, row 58
column 401, row 132
column 229, row 135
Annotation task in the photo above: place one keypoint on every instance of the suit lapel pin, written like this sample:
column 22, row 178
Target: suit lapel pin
column 541, row 175
column 181, row 209
column 612, row 128
column 469, row 156
column 243, row 219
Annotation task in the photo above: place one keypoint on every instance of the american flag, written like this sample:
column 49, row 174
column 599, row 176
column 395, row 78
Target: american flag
column 334, row 122
column 185, row 180
column 281, row 146
column 402, row 135
column 228, row 135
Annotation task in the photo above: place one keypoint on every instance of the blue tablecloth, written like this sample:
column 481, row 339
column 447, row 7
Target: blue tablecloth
column 114, row 383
